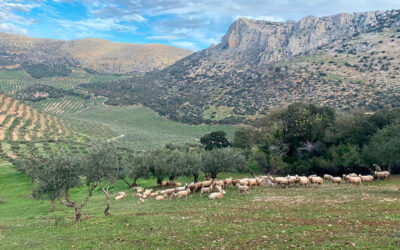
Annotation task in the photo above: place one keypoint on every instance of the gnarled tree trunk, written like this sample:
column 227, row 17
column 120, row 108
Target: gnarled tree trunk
column 105, row 191
column 52, row 205
column 196, row 178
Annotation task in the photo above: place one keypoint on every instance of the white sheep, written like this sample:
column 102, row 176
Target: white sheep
column 183, row 193
column 206, row 190
column 337, row 180
column 242, row 189
column 139, row 189
column 207, row 183
column 120, row 196
column 366, row 178
column 147, row 192
column 228, row 182
column 382, row 174
column 217, row 195
column 316, row 180
column 355, row 180
column 161, row 197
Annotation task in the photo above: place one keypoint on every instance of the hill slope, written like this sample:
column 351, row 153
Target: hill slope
column 343, row 61
column 93, row 54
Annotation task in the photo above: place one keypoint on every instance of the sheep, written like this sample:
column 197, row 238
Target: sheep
column 207, row 183
column 120, row 196
column 337, row 180
column 164, row 183
column 169, row 191
column 206, row 190
column 217, row 195
column 293, row 179
column 303, row 180
column 366, row 178
column 346, row 178
column 181, row 188
column 173, row 195
column 242, row 189
column 353, row 175
column 244, row 182
column 327, row 177
column 316, row 180
column 355, row 180
column 161, row 197
column 219, row 183
column 155, row 194
column 281, row 181
column 382, row 174
column 147, row 192
column 141, row 200
column 260, row 181
column 183, row 193
column 178, row 184
column 139, row 195
column 228, row 182
column 252, row 182
column 139, row 189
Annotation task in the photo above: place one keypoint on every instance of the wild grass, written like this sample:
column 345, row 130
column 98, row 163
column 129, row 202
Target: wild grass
column 328, row 217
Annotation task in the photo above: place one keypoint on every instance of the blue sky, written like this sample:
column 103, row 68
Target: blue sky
column 183, row 23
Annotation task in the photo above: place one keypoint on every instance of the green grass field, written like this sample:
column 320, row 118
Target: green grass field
column 142, row 128
column 327, row 217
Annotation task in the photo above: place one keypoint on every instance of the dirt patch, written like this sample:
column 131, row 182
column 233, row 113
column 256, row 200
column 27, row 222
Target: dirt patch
column 165, row 213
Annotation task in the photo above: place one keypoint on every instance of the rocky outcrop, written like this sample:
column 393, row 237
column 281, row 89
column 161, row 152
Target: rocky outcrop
column 263, row 42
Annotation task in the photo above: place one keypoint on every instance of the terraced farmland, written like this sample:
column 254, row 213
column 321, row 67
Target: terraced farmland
column 21, row 124
column 12, row 81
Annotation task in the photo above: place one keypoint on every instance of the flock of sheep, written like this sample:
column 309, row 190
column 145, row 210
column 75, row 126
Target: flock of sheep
column 215, row 188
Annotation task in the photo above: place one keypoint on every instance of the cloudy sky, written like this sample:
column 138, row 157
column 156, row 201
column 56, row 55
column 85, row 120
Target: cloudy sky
column 193, row 24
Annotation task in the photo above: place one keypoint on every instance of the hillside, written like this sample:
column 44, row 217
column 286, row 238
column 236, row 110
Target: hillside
column 343, row 61
column 22, row 127
column 92, row 54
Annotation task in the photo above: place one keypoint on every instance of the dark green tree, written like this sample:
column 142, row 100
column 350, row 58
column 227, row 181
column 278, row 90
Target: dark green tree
column 215, row 139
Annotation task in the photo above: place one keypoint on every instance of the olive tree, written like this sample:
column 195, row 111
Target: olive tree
column 102, row 166
column 223, row 160
column 135, row 167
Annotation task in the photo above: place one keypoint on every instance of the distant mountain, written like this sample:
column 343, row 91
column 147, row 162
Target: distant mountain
column 92, row 54
column 343, row 61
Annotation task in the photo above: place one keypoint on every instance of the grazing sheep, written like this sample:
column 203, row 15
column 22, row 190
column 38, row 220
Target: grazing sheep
column 147, row 192
column 252, row 182
column 242, row 189
column 141, row 200
column 206, row 190
column 182, row 188
column 316, row 180
column 120, row 196
column 139, row 195
column 381, row 175
column 161, row 197
column 355, row 180
column 155, row 194
column 293, row 179
column 281, row 181
column 337, row 180
column 207, row 183
column 228, row 182
column 366, row 178
column 178, row 184
column 217, row 195
column 173, row 195
column 219, row 183
column 164, row 183
column 169, row 191
column 260, row 181
column 244, row 182
column 139, row 189
column 303, row 180
column 353, row 175
column 183, row 193
column 327, row 177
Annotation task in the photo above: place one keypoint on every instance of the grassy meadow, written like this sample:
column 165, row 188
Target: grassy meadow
column 328, row 217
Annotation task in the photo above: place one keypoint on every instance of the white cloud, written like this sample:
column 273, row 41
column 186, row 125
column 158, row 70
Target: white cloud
column 98, row 24
column 264, row 18
column 186, row 45
column 12, row 28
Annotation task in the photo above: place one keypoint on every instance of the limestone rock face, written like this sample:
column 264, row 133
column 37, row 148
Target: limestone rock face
column 263, row 42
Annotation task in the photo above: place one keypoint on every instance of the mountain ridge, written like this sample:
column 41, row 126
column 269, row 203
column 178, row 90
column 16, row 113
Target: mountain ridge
column 98, row 55
column 343, row 61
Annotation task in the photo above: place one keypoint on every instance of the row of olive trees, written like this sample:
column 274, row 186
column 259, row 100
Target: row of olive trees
column 55, row 175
